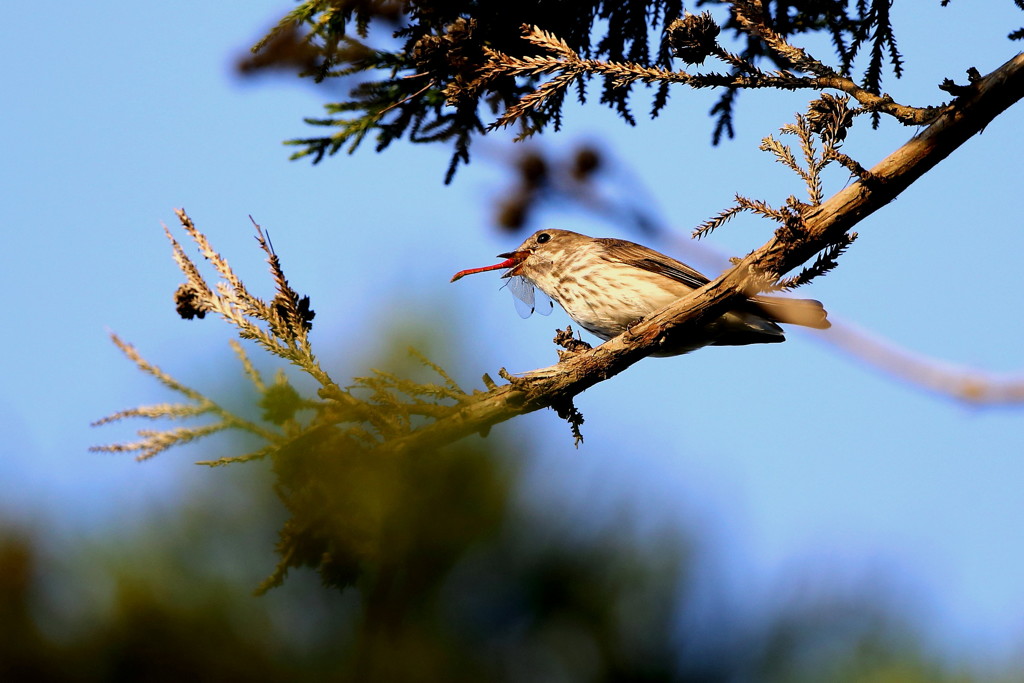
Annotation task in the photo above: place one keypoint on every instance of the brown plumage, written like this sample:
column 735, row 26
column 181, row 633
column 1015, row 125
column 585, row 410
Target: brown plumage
column 606, row 285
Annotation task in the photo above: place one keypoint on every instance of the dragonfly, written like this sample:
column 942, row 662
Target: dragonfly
column 525, row 295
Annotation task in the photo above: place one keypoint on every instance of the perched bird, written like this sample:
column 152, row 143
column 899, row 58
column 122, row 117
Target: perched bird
column 606, row 285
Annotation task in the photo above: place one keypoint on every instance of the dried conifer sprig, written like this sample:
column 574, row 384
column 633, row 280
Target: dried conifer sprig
column 292, row 317
column 393, row 406
column 281, row 327
column 832, row 116
column 789, row 216
column 826, row 261
column 153, row 442
column 749, row 16
column 568, row 411
column 568, row 67
column 422, row 82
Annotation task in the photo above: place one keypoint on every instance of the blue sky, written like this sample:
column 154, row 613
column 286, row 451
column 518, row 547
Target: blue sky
column 803, row 465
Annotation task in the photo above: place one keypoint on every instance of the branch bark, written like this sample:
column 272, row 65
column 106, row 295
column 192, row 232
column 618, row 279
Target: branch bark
column 967, row 116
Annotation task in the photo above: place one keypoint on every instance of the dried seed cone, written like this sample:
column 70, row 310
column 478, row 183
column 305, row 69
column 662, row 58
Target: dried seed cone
column 693, row 37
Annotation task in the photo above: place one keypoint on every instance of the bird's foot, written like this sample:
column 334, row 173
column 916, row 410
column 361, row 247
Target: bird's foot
column 630, row 325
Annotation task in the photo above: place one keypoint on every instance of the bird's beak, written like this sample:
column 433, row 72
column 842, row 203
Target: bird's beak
column 516, row 258
column 513, row 260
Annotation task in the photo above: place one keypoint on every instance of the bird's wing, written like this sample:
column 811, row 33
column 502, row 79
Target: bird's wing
column 807, row 312
column 639, row 256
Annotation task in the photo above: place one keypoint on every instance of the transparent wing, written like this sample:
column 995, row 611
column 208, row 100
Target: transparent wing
column 543, row 303
column 522, row 293
column 526, row 298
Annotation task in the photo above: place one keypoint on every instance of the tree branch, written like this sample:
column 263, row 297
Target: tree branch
column 823, row 225
column 958, row 382
column 570, row 66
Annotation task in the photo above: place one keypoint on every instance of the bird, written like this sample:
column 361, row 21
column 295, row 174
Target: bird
column 607, row 285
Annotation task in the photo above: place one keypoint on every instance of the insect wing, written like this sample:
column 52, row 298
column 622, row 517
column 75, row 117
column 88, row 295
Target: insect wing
column 543, row 303
column 522, row 293
column 525, row 297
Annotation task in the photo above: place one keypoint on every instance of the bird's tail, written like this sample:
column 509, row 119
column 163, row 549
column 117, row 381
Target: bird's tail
column 806, row 312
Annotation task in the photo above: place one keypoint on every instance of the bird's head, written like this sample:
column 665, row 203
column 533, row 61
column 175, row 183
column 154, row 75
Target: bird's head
column 540, row 249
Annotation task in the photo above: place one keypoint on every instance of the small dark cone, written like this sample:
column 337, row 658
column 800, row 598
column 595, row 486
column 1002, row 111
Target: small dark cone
column 693, row 37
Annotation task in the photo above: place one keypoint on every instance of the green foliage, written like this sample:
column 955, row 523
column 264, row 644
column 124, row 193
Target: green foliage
column 359, row 514
column 465, row 582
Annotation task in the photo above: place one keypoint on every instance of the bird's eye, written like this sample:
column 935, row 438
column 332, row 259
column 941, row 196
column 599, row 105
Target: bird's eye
column 543, row 237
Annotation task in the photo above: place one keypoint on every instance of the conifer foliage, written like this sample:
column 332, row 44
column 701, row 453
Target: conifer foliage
column 429, row 71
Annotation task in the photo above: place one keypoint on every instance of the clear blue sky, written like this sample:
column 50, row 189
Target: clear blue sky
column 803, row 466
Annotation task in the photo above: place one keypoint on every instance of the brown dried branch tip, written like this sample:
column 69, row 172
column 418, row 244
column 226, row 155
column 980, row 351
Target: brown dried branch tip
column 749, row 14
column 153, row 442
column 828, row 119
column 568, row 411
column 826, row 261
column 294, row 317
column 568, row 341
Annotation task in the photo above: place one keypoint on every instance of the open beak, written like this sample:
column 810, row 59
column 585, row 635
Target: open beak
column 513, row 260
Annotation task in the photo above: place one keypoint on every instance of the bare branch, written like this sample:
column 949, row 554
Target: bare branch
column 957, row 382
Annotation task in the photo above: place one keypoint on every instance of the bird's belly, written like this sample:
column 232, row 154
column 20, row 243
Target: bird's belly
column 605, row 305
